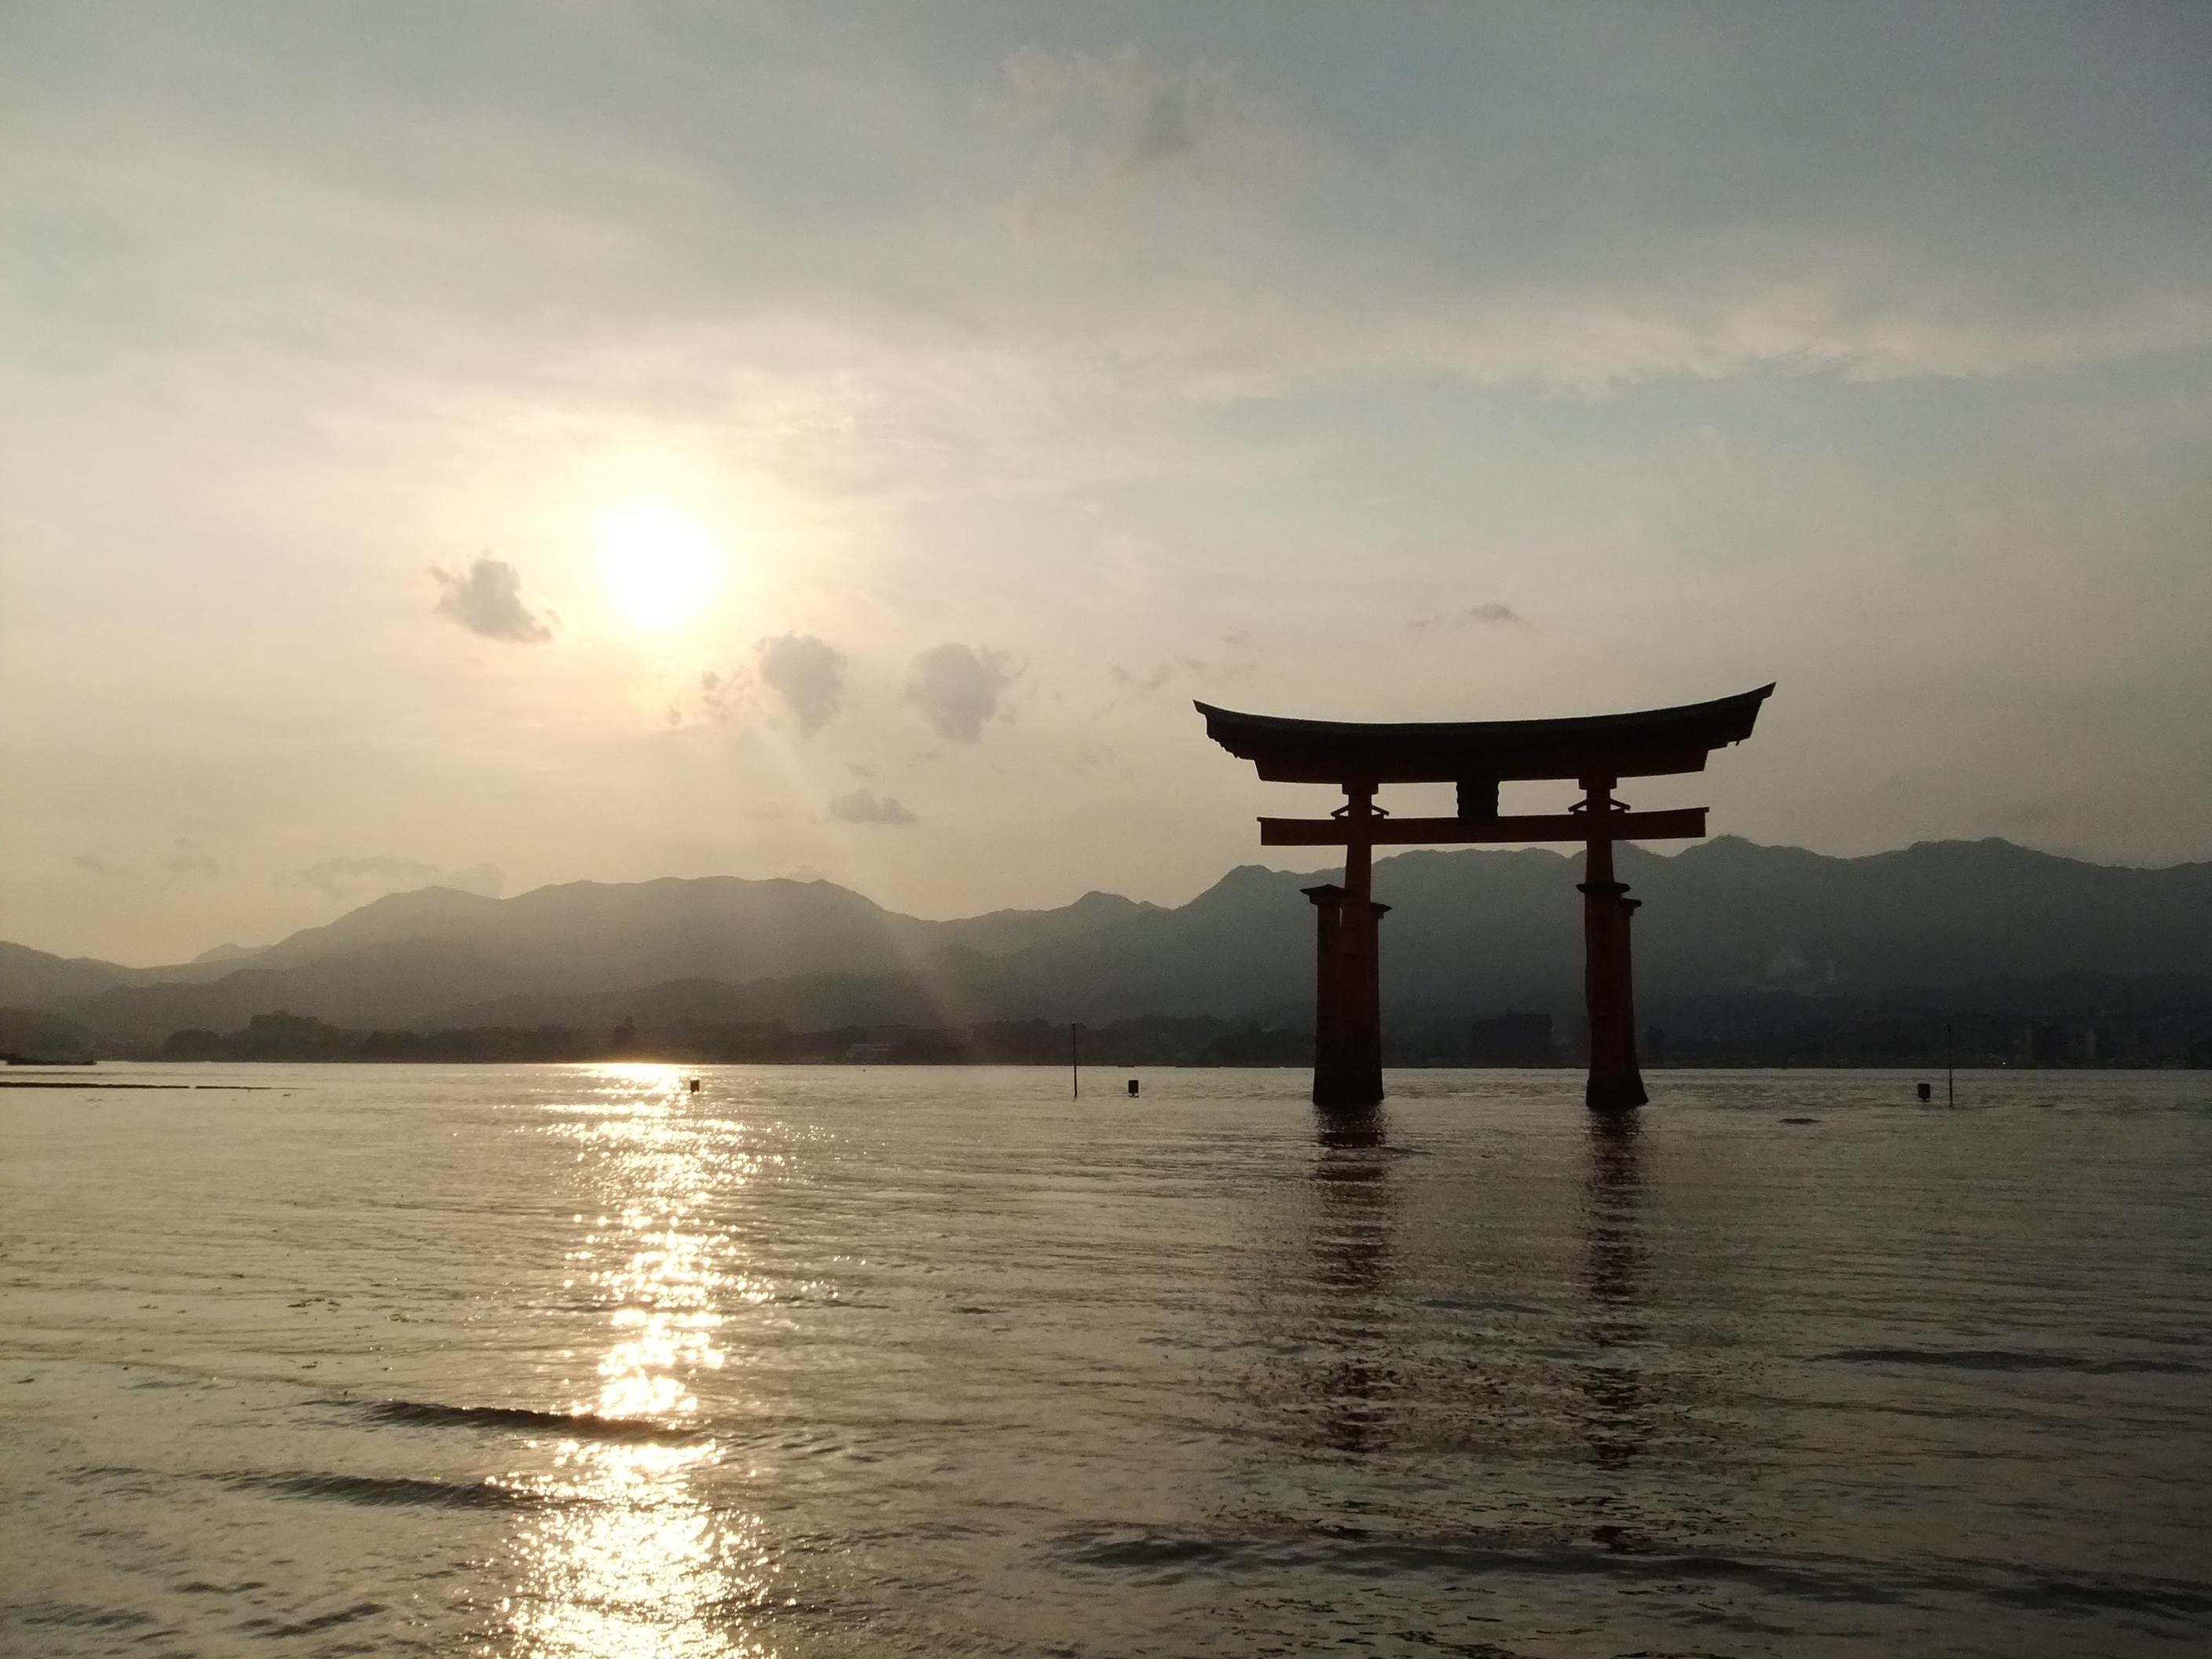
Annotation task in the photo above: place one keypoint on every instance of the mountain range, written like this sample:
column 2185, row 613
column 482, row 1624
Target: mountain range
column 1469, row 932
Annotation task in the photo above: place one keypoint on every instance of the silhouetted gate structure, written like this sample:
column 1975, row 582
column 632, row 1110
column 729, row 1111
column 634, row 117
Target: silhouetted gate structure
column 1596, row 751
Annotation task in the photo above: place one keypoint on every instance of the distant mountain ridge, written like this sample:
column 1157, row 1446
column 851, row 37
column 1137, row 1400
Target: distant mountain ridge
column 225, row 952
column 1468, row 930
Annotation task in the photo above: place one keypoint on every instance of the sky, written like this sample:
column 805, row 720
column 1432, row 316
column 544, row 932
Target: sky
column 504, row 443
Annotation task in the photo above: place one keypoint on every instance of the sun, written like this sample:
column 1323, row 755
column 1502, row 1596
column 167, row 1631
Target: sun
column 659, row 564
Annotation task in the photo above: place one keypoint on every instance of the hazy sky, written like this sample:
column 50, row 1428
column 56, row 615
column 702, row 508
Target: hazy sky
column 509, row 444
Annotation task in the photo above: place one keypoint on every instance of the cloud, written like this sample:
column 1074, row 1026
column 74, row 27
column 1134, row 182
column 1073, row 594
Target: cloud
column 1596, row 203
column 188, row 856
column 343, row 879
column 1132, row 683
column 722, row 695
column 1491, row 615
column 866, row 807
column 1876, row 231
column 959, row 689
column 808, row 673
column 1140, row 684
column 1127, row 111
column 489, row 601
column 1089, row 752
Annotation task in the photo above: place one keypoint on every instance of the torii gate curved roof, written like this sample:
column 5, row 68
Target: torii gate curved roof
column 1649, row 743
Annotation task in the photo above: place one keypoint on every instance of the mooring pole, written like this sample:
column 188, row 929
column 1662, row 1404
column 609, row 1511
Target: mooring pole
column 1075, row 1061
column 1950, row 1082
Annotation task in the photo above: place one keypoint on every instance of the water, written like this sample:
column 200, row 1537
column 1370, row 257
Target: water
column 570, row 1360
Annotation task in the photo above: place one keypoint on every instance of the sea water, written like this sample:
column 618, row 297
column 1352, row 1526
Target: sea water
column 575, row 1360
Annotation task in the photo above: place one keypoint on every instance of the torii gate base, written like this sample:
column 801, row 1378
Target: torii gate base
column 1596, row 751
column 1616, row 1082
column 1348, row 994
column 1347, row 1002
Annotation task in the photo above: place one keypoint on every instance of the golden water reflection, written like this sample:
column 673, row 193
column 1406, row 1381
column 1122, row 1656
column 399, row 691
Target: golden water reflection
column 628, row 1556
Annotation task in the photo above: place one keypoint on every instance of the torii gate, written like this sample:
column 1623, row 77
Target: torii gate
column 1596, row 751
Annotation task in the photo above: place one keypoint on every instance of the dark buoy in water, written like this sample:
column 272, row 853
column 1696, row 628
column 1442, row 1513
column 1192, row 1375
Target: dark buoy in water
column 695, row 1085
column 1926, row 1092
column 1133, row 1085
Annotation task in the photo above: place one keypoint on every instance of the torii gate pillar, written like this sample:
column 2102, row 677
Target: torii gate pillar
column 1348, row 1001
column 1348, row 966
column 1616, row 1082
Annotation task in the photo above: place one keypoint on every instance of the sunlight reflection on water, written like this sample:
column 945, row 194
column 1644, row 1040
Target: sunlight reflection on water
column 630, row 1559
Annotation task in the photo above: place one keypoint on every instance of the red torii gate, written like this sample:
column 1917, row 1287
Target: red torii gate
column 1596, row 751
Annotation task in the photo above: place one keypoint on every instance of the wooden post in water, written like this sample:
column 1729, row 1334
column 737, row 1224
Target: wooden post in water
column 1950, row 1080
column 1075, row 1061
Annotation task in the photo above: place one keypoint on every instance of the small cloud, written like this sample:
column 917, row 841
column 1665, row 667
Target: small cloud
column 722, row 696
column 959, row 689
column 1126, row 113
column 808, row 673
column 866, row 807
column 1488, row 616
column 1131, row 682
column 1164, row 131
column 488, row 601
column 187, row 857
column 1139, row 684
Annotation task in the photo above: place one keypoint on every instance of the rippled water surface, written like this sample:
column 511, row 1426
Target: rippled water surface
column 575, row 1361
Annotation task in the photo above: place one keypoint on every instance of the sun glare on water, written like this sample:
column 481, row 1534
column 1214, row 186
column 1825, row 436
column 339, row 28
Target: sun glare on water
column 659, row 564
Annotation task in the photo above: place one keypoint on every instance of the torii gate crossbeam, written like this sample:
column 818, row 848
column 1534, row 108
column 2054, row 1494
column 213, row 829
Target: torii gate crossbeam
column 1596, row 751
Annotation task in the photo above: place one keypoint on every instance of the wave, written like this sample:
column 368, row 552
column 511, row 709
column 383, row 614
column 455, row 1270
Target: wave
column 379, row 1490
column 82, row 1613
column 1612, row 1553
column 316, row 1624
column 2011, row 1360
column 570, row 1425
